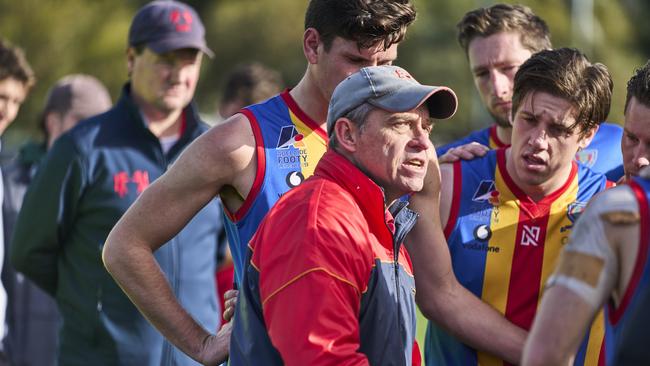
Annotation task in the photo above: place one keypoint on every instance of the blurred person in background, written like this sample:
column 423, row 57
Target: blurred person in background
column 89, row 178
column 496, row 41
column 16, row 80
column 31, row 313
column 248, row 83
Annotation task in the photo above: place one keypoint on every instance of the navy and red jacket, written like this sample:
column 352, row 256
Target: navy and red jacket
column 328, row 281
column 89, row 178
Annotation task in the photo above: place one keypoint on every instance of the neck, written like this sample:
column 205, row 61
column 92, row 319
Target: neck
column 311, row 100
column 537, row 191
column 504, row 134
column 161, row 123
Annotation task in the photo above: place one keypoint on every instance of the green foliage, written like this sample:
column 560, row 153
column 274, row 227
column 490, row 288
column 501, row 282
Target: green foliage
column 66, row 36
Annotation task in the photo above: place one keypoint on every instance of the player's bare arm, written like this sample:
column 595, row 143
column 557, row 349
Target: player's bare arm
column 595, row 266
column 220, row 161
column 440, row 296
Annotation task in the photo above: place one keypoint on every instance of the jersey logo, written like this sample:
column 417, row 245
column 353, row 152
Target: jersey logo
column 289, row 137
column 294, row 179
column 484, row 191
column 530, row 235
column 587, row 157
column 574, row 210
column 482, row 232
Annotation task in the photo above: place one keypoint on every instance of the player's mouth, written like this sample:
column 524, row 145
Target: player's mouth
column 534, row 162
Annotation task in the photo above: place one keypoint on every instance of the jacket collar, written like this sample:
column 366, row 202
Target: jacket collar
column 127, row 103
column 367, row 194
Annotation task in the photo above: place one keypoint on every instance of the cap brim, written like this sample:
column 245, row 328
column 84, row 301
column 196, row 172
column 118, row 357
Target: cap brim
column 441, row 101
column 172, row 44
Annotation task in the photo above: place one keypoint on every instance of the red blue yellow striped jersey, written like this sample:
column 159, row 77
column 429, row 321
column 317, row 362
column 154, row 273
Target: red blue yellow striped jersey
column 620, row 317
column 504, row 246
column 289, row 144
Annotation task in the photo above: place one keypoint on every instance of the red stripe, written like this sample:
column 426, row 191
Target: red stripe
column 455, row 200
column 259, row 174
column 526, row 270
column 641, row 258
column 601, row 355
column 495, row 137
column 293, row 106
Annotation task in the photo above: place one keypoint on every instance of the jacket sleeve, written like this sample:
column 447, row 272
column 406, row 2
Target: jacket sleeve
column 312, row 315
column 46, row 214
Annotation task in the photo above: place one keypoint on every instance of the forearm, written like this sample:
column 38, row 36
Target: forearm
column 138, row 274
column 473, row 321
column 559, row 326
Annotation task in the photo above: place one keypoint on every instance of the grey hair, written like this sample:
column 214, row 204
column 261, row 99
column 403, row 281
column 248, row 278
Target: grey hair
column 358, row 116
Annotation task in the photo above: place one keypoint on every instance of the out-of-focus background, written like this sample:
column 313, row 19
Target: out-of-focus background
column 70, row 36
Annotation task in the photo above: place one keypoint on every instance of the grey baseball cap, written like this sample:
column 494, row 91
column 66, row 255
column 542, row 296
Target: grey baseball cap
column 82, row 95
column 165, row 25
column 392, row 89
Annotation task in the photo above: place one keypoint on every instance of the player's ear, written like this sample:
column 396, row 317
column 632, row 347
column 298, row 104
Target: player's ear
column 586, row 139
column 310, row 42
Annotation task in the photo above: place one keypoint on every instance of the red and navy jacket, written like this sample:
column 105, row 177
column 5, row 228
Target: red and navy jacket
column 328, row 281
column 89, row 178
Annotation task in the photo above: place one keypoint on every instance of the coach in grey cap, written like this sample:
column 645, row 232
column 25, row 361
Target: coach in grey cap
column 343, row 242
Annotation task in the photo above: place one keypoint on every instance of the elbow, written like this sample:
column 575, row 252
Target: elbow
column 110, row 258
column 431, row 308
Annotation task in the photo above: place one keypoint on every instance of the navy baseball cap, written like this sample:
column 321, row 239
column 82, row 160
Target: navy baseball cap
column 392, row 89
column 166, row 25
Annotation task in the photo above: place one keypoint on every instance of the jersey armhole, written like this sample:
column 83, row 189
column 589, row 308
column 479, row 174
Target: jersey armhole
column 455, row 200
column 641, row 259
column 260, row 155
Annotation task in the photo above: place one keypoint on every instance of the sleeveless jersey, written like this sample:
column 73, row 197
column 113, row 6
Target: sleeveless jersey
column 487, row 136
column 289, row 144
column 622, row 316
column 603, row 155
column 504, row 246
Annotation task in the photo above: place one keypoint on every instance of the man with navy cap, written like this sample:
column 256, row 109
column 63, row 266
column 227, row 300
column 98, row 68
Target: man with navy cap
column 348, row 296
column 94, row 172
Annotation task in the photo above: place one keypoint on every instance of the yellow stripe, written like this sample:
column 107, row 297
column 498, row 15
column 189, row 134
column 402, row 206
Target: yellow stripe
column 492, row 143
column 596, row 338
column 555, row 239
column 314, row 146
column 498, row 265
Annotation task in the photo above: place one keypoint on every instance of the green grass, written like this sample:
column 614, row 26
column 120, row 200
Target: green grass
column 420, row 331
